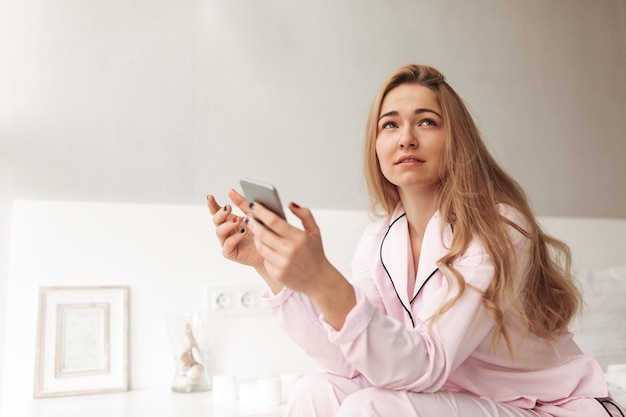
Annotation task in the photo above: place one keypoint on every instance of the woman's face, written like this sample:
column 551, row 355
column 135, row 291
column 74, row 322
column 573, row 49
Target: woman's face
column 410, row 138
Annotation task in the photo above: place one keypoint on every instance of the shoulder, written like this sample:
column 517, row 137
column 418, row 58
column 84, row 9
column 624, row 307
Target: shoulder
column 511, row 213
column 517, row 224
column 372, row 235
column 375, row 230
column 517, row 227
column 380, row 225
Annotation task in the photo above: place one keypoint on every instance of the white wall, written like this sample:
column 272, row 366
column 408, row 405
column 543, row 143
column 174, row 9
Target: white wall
column 163, row 101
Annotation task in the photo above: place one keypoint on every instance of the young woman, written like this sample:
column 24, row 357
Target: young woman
column 458, row 303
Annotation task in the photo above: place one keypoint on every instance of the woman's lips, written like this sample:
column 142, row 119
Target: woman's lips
column 409, row 159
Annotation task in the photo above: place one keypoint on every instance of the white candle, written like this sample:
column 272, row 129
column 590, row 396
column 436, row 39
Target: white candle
column 287, row 382
column 268, row 392
column 224, row 388
column 248, row 392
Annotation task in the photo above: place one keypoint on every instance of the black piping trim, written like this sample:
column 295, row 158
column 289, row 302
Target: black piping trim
column 424, row 283
column 380, row 255
column 609, row 401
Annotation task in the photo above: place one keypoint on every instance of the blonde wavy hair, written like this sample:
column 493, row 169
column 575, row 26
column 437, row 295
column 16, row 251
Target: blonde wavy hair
column 471, row 187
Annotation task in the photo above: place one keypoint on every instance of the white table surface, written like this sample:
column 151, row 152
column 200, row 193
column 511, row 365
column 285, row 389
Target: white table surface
column 157, row 402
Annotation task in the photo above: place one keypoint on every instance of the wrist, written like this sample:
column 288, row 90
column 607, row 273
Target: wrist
column 335, row 298
column 274, row 285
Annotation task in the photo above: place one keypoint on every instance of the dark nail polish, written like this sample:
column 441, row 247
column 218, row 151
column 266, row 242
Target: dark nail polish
column 226, row 207
column 247, row 221
column 242, row 230
column 251, row 205
column 294, row 205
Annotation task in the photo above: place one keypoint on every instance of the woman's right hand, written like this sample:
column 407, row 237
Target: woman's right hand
column 236, row 239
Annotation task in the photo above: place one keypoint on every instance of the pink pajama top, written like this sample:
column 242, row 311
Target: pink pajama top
column 386, row 339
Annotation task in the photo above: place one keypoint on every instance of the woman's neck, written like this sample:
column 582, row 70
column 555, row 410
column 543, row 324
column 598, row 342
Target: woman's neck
column 419, row 208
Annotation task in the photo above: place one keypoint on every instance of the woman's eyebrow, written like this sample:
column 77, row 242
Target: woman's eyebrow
column 417, row 111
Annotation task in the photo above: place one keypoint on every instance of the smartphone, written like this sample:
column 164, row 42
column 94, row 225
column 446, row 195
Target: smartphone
column 263, row 192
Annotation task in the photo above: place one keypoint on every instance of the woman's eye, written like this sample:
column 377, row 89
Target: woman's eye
column 427, row 122
column 388, row 125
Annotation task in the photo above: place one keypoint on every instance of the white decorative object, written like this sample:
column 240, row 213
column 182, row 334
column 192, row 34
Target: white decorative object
column 82, row 341
column 269, row 392
column 189, row 334
column 287, row 382
column 224, row 388
column 248, row 393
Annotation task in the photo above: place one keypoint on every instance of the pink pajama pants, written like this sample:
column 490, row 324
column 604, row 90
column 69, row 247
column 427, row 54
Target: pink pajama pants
column 326, row 395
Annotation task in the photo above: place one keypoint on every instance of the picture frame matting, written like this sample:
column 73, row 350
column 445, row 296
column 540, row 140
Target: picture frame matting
column 82, row 341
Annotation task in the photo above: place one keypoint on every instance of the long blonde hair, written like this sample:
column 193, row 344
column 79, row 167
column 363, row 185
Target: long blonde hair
column 471, row 187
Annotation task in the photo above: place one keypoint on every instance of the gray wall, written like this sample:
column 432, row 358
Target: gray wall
column 164, row 101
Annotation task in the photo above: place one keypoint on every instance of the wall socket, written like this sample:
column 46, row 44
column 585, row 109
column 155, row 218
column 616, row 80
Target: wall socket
column 235, row 300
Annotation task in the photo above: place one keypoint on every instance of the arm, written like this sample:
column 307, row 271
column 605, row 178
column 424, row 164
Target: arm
column 393, row 356
column 296, row 314
column 299, row 318
column 313, row 287
column 295, row 259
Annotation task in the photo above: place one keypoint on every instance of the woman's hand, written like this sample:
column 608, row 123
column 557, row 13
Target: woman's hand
column 234, row 237
column 295, row 259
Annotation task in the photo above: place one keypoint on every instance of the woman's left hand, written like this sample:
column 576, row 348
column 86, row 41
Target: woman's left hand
column 295, row 258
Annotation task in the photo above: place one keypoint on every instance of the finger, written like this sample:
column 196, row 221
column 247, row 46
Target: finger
column 230, row 247
column 227, row 229
column 260, row 231
column 266, row 241
column 270, row 219
column 211, row 203
column 235, row 231
column 220, row 214
column 306, row 217
column 225, row 215
column 239, row 201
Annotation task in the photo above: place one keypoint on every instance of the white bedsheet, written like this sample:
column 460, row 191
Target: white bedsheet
column 616, row 377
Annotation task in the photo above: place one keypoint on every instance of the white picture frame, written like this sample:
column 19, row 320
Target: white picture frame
column 82, row 341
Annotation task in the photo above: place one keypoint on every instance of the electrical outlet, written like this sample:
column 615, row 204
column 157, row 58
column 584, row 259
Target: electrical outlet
column 235, row 300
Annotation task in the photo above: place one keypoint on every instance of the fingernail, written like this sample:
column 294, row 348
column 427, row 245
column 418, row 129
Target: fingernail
column 251, row 205
column 294, row 205
column 207, row 196
column 226, row 207
column 247, row 220
column 242, row 230
column 235, row 219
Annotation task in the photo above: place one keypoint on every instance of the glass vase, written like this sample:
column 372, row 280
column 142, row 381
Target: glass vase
column 189, row 334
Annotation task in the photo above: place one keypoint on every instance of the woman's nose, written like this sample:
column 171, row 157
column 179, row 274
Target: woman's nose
column 408, row 139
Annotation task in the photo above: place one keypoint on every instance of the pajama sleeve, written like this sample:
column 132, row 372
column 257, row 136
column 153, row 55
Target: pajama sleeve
column 299, row 318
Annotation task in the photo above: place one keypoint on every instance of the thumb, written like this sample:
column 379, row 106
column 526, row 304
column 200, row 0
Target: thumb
column 306, row 217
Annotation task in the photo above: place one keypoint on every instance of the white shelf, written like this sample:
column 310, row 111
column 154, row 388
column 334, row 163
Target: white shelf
column 157, row 402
